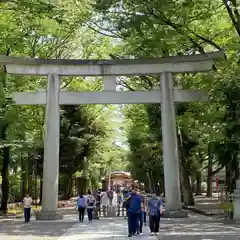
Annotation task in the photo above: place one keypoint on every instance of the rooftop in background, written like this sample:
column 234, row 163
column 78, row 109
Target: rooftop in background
column 127, row 174
column 122, row 174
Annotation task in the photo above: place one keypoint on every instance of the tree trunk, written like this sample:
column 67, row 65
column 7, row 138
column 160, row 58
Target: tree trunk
column 23, row 176
column 152, row 183
column 30, row 175
column 149, row 183
column 188, row 197
column 70, row 193
column 146, row 185
column 5, row 172
column 41, row 190
column 228, row 177
column 35, row 183
column 235, row 172
column 209, row 177
column 186, row 187
column 181, row 188
column 199, row 184
column 233, row 13
column 67, row 186
column 35, row 189
column 193, row 185
column 209, row 171
column 6, row 149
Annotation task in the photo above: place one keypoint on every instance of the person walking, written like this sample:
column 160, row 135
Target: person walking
column 90, row 206
column 133, row 210
column 27, row 203
column 126, row 196
column 110, row 196
column 96, row 210
column 119, row 201
column 144, row 209
column 141, row 216
column 81, row 206
column 154, row 211
column 104, row 202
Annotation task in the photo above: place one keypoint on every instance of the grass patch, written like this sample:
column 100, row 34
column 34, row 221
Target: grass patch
column 226, row 206
column 19, row 210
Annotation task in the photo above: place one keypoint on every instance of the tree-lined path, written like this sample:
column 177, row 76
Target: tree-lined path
column 174, row 126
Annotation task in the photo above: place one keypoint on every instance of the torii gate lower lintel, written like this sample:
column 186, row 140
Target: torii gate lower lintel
column 53, row 97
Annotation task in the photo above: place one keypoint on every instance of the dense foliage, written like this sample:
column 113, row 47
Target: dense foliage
column 47, row 29
column 208, row 133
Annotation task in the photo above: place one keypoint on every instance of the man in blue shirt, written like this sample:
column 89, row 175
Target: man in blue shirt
column 133, row 209
column 154, row 211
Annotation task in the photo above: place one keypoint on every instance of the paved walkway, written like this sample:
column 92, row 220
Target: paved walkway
column 35, row 230
column 196, row 227
column 210, row 206
column 109, row 229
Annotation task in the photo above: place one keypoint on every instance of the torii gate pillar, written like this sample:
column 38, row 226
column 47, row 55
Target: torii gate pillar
column 51, row 151
column 170, row 149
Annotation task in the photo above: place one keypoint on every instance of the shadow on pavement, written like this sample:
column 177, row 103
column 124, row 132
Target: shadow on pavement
column 197, row 229
column 34, row 228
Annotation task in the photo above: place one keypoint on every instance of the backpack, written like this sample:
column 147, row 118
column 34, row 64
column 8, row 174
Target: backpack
column 90, row 201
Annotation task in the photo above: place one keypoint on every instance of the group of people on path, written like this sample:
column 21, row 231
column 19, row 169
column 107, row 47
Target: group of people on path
column 92, row 204
column 138, row 208
column 86, row 203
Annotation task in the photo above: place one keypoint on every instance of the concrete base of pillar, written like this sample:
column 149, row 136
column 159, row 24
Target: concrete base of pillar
column 175, row 214
column 49, row 216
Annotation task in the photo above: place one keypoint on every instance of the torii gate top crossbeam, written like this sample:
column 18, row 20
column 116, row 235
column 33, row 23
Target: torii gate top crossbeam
column 120, row 67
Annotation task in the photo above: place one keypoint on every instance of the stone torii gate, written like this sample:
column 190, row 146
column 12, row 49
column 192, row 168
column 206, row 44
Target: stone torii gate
column 109, row 69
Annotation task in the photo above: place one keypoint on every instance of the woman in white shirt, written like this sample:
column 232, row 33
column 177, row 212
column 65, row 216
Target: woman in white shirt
column 27, row 203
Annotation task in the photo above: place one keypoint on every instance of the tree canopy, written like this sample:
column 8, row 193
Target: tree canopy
column 208, row 133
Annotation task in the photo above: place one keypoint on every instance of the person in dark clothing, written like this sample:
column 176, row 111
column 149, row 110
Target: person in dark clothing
column 141, row 216
column 81, row 205
column 96, row 211
column 91, row 202
column 144, row 209
column 133, row 209
column 126, row 196
column 154, row 211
